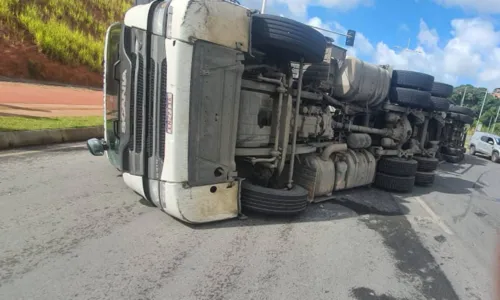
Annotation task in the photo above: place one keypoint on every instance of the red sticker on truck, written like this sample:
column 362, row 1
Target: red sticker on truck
column 170, row 113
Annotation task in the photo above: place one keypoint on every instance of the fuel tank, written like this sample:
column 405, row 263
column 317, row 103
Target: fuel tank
column 344, row 170
column 361, row 83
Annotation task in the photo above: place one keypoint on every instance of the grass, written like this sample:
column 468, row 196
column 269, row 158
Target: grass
column 8, row 123
column 69, row 31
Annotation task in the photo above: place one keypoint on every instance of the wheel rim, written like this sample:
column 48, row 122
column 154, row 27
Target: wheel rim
column 472, row 149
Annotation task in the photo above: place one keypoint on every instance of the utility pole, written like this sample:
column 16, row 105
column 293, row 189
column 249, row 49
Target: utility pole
column 489, row 125
column 407, row 48
column 482, row 106
column 496, row 118
column 463, row 97
column 263, row 9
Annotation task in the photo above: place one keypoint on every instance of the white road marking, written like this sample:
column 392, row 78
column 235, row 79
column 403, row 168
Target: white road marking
column 433, row 215
column 19, row 153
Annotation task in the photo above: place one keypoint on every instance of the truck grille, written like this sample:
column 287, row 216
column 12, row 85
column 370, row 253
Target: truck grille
column 133, row 58
column 163, row 107
column 151, row 98
column 139, row 105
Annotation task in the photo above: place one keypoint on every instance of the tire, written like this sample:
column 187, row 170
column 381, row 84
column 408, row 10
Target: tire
column 472, row 150
column 462, row 118
column 495, row 157
column 411, row 98
column 452, row 158
column 425, row 178
column 394, row 183
column 440, row 104
column 273, row 201
column 316, row 72
column 426, row 164
column 453, row 151
column 442, row 90
column 439, row 156
column 466, row 119
column 397, row 166
column 287, row 39
column 461, row 110
column 412, row 80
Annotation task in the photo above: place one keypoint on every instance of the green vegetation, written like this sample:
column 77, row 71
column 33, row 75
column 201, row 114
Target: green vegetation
column 474, row 98
column 11, row 123
column 65, row 30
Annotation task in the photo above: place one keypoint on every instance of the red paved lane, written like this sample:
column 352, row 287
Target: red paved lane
column 48, row 101
column 42, row 94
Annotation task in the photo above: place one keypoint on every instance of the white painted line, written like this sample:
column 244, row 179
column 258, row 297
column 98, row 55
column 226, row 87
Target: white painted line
column 434, row 216
column 19, row 153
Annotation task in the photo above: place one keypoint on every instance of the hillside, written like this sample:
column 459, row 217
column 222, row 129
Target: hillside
column 56, row 40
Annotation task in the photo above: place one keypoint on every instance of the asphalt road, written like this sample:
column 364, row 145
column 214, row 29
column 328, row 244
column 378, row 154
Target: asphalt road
column 70, row 229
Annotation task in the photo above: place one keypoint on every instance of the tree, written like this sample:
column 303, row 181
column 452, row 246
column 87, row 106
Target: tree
column 474, row 99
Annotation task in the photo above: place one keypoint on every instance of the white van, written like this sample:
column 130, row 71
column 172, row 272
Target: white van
column 486, row 144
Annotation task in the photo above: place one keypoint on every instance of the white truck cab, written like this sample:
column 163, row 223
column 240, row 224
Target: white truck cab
column 485, row 144
column 163, row 65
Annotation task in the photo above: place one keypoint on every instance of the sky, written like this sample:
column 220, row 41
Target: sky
column 456, row 41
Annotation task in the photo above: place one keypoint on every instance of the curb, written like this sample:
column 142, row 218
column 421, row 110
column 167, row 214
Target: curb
column 15, row 139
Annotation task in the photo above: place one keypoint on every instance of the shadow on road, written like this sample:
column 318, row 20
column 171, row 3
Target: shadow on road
column 347, row 204
column 448, row 185
column 464, row 166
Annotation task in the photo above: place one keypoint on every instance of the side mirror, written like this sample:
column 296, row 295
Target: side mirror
column 351, row 36
column 97, row 147
column 491, row 142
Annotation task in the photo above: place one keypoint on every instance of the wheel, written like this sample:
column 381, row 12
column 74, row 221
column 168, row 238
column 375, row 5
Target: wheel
column 440, row 89
column 397, row 166
column 424, row 178
column 495, row 157
column 466, row 119
column 426, row 164
column 440, row 104
column 273, row 201
column 287, row 39
column 394, row 183
column 412, row 80
column 452, row 158
column 461, row 110
column 316, row 72
column 410, row 98
column 453, row 151
column 462, row 118
column 472, row 150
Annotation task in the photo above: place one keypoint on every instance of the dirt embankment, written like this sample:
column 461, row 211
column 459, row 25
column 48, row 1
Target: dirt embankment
column 23, row 60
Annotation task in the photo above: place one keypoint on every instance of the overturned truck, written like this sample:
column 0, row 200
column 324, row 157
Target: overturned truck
column 213, row 109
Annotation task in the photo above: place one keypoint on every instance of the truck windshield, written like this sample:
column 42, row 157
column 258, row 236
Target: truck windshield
column 111, row 91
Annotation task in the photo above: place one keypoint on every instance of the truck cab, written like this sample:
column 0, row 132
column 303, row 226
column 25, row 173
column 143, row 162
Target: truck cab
column 173, row 68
